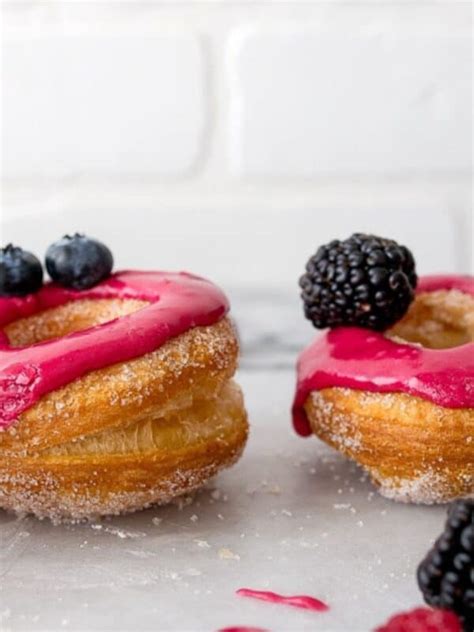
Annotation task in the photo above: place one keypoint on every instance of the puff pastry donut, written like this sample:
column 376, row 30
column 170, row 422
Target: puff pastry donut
column 116, row 397
column 401, row 404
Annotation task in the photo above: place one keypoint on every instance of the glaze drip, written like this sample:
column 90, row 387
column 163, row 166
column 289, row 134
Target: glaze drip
column 240, row 628
column 352, row 357
column 177, row 302
column 298, row 601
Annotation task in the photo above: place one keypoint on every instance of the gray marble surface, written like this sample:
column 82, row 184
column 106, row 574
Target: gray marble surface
column 293, row 516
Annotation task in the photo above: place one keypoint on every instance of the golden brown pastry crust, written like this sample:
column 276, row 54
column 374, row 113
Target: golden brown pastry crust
column 191, row 445
column 438, row 320
column 46, row 464
column 414, row 450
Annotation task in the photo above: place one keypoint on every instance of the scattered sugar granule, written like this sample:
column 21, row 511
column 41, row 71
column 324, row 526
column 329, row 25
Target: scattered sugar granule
column 285, row 512
column 143, row 555
column 227, row 554
column 120, row 533
column 184, row 501
column 203, row 544
column 194, row 518
column 157, row 521
column 220, row 516
column 266, row 488
column 342, row 506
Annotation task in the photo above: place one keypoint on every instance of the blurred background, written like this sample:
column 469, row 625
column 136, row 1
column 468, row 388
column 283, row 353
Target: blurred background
column 232, row 138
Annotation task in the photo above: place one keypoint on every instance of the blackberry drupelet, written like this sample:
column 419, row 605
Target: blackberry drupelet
column 21, row 272
column 78, row 262
column 364, row 280
column 446, row 575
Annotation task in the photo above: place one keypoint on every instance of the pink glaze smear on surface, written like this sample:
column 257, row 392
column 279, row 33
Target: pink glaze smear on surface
column 298, row 601
column 178, row 302
column 352, row 357
column 240, row 628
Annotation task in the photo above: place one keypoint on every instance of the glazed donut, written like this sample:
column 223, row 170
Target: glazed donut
column 401, row 404
column 116, row 397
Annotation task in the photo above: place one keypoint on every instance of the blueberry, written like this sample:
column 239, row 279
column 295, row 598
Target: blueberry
column 78, row 262
column 20, row 272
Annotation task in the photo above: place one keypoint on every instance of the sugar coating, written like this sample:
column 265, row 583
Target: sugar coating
column 116, row 395
column 416, row 451
column 346, row 438
column 78, row 508
column 171, row 418
column 437, row 320
column 383, row 432
column 425, row 488
column 71, row 317
column 161, row 472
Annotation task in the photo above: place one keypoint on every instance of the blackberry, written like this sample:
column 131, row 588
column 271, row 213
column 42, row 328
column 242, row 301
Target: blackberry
column 364, row 280
column 20, row 272
column 446, row 575
column 78, row 262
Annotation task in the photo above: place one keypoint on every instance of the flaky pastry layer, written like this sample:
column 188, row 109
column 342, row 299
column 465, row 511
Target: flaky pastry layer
column 414, row 450
column 197, row 362
column 129, row 435
column 148, row 462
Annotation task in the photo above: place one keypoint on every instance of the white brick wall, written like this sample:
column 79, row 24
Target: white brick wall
column 76, row 103
column 233, row 137
column 305, row 102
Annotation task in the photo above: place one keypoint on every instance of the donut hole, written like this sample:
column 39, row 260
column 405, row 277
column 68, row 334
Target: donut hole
column 67, row 319
column 438, row 320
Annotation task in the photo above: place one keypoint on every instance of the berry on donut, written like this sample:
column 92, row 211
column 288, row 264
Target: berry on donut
column 20, row 272
column 116, row 390
column 391, row 383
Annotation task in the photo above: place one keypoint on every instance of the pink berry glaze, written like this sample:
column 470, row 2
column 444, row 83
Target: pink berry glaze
column 352, row 357
column 240, row 628
column 178, row 302
column 299, row 601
